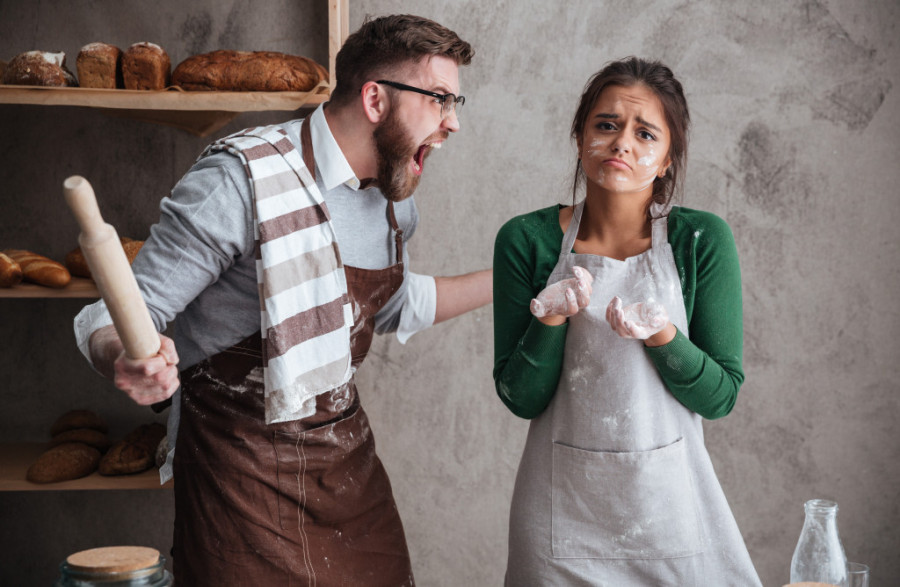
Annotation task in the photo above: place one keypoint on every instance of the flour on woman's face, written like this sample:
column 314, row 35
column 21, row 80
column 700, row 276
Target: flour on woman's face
column 625, row 140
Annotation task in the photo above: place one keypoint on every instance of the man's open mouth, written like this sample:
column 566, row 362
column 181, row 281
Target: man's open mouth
column 418, row 160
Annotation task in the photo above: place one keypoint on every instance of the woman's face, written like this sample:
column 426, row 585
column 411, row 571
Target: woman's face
column 625, row 142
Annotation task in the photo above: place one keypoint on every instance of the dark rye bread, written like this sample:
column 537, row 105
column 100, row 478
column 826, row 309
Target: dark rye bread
column 64, row 462
column 99, row 65
column 145, row 66
column 74, row 419
column 134, row 453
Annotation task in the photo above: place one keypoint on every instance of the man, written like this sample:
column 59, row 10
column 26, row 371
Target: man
column 281, row 258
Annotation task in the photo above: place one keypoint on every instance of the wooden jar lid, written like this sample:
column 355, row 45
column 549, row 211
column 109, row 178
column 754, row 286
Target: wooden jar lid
column 114, row 559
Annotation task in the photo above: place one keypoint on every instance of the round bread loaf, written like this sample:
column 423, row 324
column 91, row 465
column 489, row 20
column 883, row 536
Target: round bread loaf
column 77, row 264
column 78, row 419
column 88, row 436
column 64, row 462
column 134, row 453
column 38, row 68
column 248, row 71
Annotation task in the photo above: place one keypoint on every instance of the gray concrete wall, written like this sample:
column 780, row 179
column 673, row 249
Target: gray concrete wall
column 796, row 126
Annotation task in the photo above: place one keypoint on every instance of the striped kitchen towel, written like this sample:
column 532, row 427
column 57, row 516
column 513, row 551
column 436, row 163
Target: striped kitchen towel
column 305, row 310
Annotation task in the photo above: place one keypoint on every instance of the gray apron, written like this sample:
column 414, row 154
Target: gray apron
column 615, row 486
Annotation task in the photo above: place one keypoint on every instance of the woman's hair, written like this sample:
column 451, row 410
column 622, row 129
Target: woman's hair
column 384, row 45
column 633, row 71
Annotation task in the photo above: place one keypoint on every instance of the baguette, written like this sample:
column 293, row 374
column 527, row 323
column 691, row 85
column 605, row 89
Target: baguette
column 10, row 271
column 39, row 269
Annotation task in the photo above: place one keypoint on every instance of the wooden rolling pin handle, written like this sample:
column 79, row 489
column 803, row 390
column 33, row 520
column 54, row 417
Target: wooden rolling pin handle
column 111, row 272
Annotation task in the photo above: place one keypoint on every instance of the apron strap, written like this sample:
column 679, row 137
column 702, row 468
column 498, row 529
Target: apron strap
column 398, row 232
column 659, row 225
column 572, row 231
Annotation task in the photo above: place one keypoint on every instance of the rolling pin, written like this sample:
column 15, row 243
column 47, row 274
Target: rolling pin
column 111, row 272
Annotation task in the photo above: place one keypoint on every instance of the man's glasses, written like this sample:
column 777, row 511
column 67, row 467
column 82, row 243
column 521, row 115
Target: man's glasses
column 449, row 102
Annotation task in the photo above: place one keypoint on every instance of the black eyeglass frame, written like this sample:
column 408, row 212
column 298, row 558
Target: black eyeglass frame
column 456, row 101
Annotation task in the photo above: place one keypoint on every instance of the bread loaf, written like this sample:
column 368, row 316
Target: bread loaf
column 39, row 269
column 145, row 66
column 75, row 419
column 134, row 453
column 99, row 66
column 71, row 460
column 88, row 436
column 38, row 68
column 248, row 71
column 77, row 264
column 10, row 271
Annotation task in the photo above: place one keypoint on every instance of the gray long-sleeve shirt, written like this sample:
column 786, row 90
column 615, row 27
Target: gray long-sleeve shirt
column 198, row 264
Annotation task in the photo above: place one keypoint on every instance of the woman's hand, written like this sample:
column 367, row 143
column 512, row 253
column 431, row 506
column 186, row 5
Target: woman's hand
column 555, row 303
column 642, row 321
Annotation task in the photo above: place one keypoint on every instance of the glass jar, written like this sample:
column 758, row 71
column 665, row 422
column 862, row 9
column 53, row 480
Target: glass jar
column 115, row 566
column 819, row 556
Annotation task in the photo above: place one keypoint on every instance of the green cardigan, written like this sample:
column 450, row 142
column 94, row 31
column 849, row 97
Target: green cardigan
column 703, row 371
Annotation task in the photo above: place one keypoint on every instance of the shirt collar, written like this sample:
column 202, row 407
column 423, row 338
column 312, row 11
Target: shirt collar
column 333, row 167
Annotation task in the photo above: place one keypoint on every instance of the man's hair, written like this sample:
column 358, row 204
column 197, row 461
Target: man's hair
column 382, row 46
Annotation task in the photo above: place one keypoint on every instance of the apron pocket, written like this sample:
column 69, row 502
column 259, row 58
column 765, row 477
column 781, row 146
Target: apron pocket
column 623, row 505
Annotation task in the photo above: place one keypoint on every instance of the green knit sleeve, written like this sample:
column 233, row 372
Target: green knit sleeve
column 528, row 355
column 704, row 370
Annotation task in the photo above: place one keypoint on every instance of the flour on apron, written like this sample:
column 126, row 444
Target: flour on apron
column 615, row 486
column 305, row 502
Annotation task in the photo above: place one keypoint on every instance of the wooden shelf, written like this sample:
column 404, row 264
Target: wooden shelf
column 15, row 458
column 199, row 113
column 79, row 287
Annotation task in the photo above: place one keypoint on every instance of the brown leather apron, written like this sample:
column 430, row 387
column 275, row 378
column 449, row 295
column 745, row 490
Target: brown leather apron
column 306, row 502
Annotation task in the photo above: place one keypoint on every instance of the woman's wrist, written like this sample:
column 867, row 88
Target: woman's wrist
column 553, row 320
column 663, row 337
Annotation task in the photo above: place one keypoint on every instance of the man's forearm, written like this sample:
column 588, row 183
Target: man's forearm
column 105, row 347
column 462, row 293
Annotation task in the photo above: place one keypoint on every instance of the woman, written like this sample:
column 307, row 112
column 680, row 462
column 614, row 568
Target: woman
column 617, row 329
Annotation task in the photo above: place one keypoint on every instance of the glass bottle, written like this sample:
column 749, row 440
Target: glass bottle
column 819, row 556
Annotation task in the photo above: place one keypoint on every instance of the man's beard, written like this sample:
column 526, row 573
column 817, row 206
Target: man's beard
column 394, row 151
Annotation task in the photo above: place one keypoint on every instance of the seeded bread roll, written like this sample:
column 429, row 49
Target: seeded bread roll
column 71, row 460
column 38, row 68
column 10, row 271
column 39, row 269
column 77, row 264
column 248, row 71
column 134, row 453
column 145, row 66
column 100, row 66
column 75, row 419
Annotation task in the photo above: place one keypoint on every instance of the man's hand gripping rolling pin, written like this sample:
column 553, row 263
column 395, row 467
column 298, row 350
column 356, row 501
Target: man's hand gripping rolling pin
column 146, row 381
